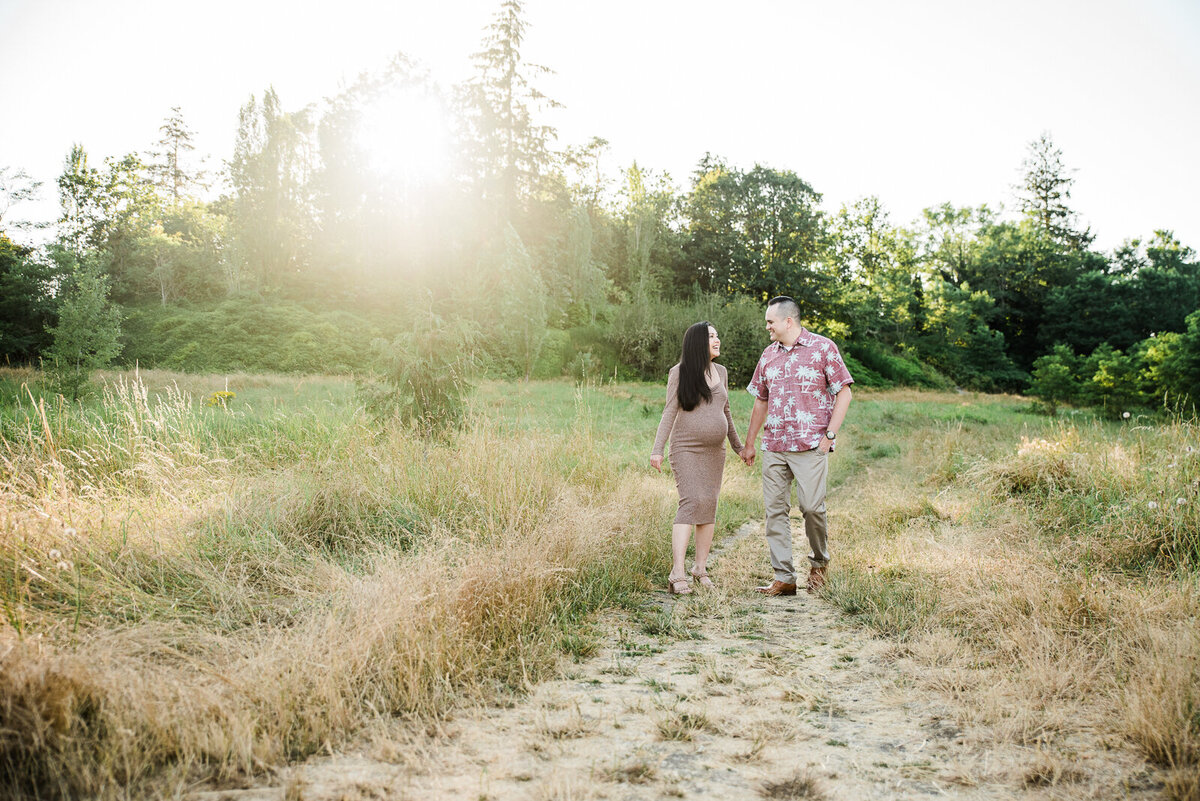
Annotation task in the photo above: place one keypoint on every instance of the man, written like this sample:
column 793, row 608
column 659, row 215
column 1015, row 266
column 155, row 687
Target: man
column 802, row 391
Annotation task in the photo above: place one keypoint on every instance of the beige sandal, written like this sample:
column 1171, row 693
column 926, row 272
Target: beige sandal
column 703, row 580
column 678, row 586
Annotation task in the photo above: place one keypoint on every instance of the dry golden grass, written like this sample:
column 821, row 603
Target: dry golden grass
column 209, row 595
column 639, row 771
column 1045, row 580
column 800, row 786
column 1183, row 784
column 684, row 725
column 171, row 613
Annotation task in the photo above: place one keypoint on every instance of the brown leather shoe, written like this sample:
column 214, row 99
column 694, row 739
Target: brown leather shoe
column 816, row 580
column 777, row 588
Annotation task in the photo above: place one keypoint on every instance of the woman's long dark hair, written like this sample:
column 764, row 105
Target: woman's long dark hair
column 693, row 367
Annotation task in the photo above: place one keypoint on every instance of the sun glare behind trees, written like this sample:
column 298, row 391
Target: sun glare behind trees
column 405, row 133
column 398, row 194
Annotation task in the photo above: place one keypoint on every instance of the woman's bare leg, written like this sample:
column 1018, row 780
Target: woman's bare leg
column 704, row 538
column 680, row 534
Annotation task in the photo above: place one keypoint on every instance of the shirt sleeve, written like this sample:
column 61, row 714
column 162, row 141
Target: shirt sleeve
column 734, row 440
column 835, row 370
column 670, row 410
column 758, row 381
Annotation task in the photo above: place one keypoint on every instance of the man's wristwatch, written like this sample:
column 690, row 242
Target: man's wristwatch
column 831, row 434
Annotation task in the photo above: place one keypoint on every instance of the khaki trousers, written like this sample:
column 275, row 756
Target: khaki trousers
column 809, row 469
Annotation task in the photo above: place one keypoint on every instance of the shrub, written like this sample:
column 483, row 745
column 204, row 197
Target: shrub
column 1115, row 382
column 647, row 334
column 584, row 367
column 895, row 367
column 743, row 337
column 864, row 376
column 1171, row 365
column 555, row 356
column 88, row 331
column 425, row 376
column 593, row 340
column 1054, row 379
column 247, row 333
column 511, row 307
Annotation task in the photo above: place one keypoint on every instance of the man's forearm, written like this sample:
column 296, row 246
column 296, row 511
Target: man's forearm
column 758, row 416
column 840, row 404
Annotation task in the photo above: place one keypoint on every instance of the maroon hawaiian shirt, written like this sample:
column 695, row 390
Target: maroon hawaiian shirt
column 799, row 385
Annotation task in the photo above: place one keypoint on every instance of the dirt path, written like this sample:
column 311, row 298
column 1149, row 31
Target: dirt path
column 718, row 695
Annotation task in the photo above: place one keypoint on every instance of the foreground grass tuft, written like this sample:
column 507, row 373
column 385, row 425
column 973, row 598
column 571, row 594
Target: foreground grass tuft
column 798, row 787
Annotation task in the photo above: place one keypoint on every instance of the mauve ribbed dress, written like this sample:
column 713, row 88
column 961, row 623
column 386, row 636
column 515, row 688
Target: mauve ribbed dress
column 697, row 447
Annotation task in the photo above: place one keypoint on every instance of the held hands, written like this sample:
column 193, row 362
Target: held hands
column 656, row 462
column 747, row 454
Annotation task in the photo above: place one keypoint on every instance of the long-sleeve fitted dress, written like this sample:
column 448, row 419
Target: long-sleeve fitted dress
column 697, row 447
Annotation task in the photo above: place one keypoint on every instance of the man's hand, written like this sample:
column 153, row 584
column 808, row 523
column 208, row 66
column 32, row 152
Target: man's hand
column 656, row 462
column 747, row 454
column 825, row 444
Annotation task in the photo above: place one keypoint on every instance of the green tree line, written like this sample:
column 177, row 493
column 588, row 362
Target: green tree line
column 324, row 240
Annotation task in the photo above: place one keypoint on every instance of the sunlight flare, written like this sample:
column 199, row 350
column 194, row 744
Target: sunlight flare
column 405, row 133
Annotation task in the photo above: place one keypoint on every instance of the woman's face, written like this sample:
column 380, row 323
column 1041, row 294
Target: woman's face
column 714, row 343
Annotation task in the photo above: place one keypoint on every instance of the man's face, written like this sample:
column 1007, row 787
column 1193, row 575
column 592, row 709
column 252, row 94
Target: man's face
column 776, row 323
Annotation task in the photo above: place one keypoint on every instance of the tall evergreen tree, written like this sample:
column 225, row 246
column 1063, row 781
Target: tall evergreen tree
column 1145, row 288
column 169, row 169
column 1044, row 192
column 26, row 302
column 510, row 149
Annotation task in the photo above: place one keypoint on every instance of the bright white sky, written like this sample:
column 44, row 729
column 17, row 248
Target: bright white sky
column 916, row 102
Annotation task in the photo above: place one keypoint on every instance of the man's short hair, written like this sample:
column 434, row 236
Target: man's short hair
column 788, row 307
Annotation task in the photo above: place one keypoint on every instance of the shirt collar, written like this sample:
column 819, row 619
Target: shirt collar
column 802, row 339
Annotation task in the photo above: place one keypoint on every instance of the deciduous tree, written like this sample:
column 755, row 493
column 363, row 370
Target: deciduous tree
column 16, row 186
column 271, row 170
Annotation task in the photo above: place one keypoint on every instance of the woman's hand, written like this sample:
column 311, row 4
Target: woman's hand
column 656, row 462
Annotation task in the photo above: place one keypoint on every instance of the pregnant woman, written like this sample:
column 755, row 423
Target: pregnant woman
column 697, row 421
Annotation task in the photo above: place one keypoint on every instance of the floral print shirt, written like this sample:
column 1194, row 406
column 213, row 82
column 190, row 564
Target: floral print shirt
column 799, row 384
